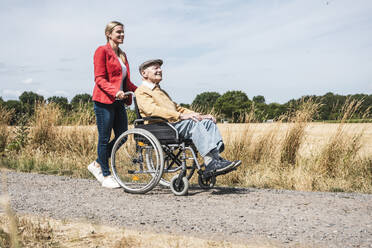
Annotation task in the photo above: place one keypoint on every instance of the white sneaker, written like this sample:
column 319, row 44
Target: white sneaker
column 110, row 182
column 95, row 169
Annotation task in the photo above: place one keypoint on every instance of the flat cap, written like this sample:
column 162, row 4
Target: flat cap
column 148, row 63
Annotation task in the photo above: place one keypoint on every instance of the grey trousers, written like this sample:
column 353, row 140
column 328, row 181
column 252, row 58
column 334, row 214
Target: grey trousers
column 204, row 134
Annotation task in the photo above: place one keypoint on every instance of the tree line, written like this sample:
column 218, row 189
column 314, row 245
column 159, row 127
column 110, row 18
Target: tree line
column 24, row 108
column 232, row 105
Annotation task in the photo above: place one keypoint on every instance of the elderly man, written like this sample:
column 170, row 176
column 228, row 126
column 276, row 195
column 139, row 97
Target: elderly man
column 201, row 129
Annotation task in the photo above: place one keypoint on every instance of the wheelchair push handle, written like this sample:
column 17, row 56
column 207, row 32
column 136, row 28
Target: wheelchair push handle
column 129, row 93
column 138, row 115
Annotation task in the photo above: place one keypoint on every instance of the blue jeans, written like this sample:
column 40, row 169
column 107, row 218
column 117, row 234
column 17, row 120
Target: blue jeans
column 108, row 117
column 204, row 134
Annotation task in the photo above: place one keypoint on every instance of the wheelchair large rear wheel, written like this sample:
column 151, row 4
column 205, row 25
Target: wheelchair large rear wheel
column 137, row 161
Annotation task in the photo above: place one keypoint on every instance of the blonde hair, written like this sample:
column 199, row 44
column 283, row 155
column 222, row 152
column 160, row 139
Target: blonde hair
column 108, row 30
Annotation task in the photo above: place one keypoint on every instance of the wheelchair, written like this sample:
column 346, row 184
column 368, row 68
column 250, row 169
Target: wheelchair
column 152, row 154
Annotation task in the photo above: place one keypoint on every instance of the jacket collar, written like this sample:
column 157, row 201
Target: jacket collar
column 109, row 48
column 149, row 85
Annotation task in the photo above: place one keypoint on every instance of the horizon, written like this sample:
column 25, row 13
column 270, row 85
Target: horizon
column 250, row 98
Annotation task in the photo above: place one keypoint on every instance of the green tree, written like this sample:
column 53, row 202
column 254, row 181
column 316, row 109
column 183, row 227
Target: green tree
column 367, row 106
column 331, row 106
column 258, row 99
column 365, row 109
column 81, row 99
column 61, row 101
column 275, row 110
column 233, row 104
column 205, row 101
column 18, row 110
column 185, row 105
column 30, row 98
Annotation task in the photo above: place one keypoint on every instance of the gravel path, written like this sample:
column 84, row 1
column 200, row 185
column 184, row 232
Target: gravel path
column 286, row 218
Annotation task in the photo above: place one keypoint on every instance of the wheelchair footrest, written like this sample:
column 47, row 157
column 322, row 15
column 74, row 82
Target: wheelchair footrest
column 224, row 172
column 214, row 173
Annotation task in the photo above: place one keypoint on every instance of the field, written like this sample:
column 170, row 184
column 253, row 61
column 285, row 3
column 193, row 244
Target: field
column 328, row 157
column 293, row 153
column 316, row 134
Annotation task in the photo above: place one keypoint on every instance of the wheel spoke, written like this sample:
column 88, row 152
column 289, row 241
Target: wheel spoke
column 137, row 164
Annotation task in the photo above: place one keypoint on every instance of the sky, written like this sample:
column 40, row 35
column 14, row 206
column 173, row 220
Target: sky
column 281, row 49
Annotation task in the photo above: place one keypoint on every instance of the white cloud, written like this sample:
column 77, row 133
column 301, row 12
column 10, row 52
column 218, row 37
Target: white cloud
column 60, row 93
column 11, row 94
column 370, row 88
column 27, row 81
column 43, row 92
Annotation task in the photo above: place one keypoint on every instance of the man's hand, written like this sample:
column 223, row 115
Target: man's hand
column 211, row 117
column 197, row 117
column 194, row 116
column 120, row 95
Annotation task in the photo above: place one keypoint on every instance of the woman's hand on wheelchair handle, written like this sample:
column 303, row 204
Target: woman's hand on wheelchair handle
column 120, row 95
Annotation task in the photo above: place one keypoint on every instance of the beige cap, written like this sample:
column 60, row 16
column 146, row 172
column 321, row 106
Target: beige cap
column 148, row 63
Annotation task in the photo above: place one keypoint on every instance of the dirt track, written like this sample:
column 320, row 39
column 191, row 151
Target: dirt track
column 285, row 218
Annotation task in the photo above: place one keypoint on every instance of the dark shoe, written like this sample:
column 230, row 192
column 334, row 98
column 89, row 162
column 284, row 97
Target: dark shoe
column 218, row 166
column 224, row 160
column 236, row 162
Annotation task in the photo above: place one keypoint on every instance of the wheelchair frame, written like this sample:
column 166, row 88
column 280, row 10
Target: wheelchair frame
column 158, row 150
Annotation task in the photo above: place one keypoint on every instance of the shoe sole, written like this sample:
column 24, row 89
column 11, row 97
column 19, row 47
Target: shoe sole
column 226, row 168
column 220, row 171
column 116, row 187
column 237, row 163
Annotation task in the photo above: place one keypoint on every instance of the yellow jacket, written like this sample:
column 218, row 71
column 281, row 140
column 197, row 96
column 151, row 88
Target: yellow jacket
column 156, row 102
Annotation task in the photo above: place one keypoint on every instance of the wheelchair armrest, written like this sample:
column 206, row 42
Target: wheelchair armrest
column 139, row 121
column 154, row 118
column 150, row 118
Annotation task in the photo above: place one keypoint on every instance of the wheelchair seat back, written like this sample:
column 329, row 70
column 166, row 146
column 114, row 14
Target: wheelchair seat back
column 161, row 130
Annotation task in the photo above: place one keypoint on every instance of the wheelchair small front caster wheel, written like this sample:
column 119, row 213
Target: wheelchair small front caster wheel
column 206, row 182
column 181, row 188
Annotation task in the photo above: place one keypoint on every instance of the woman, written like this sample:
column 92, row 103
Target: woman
column 112, row 78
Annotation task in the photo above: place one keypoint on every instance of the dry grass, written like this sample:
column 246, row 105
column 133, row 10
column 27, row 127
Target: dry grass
column 351, row 159
column 43, row 132
column 6, row 115
column 82, row 115
column 295, row 154
column 302, row 155
column 295, row 134
column 40, row 232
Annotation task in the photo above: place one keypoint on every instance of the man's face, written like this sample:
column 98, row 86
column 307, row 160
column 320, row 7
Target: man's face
column 153, row 73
